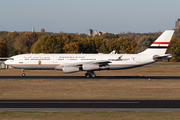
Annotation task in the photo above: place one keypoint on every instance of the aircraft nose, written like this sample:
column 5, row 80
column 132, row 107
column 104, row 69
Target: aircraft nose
column 6, row 62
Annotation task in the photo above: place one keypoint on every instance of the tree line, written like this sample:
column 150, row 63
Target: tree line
column 13, row 43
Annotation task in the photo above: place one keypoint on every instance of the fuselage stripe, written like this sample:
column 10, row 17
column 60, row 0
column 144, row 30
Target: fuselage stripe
column 32, row 65
column 161, row 43
column 58, row 65
column 159, row 47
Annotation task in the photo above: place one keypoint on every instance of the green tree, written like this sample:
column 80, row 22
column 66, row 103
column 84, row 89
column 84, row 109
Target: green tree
column 58, row 49
column 87, row 45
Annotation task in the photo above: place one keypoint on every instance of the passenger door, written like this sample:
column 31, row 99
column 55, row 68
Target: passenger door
column 21, row 60
column 54, row 59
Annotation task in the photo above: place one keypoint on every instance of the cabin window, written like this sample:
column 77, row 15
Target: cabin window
column 88, row 59
column 60, row 59
column 11, row 58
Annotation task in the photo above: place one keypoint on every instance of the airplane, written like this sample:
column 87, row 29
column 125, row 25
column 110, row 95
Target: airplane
column 69, row 63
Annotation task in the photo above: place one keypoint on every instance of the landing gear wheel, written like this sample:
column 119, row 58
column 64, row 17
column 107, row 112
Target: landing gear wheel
column 87, row 75
column 23, row 74
column 93, row 75
column 90, row 74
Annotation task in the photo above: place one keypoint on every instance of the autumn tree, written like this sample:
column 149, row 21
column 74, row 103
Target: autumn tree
column 10, row 37
column 72, row 47
column 125, row 45
column 42, row 30
column 106, row 46
column 177, row 33
column 45, row 44
column 20, row 44
column 24, row 41
column 3, row 47
column 109, row 36
column 174, row 49
column 144, row 42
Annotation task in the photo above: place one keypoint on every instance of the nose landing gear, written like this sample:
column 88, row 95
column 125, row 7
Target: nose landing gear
column 23, row 74
column 90, row 74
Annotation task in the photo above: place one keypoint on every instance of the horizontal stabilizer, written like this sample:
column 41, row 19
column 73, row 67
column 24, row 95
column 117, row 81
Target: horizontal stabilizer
column 161, row 57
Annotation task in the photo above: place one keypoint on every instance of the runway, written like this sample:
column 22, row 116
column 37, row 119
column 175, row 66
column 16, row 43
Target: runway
column 96, row 78
column 90, row 105
column 89, row 109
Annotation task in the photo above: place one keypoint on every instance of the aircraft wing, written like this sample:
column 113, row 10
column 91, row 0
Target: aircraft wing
column 100, row 62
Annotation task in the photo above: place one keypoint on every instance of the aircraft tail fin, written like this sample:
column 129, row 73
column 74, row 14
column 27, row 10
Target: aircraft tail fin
column 160, row 45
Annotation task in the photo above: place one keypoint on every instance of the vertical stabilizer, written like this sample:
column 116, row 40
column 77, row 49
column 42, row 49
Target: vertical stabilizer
column 160, row 45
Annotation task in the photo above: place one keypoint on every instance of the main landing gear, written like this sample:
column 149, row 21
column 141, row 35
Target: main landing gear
column 23, row 74
column 90, row 74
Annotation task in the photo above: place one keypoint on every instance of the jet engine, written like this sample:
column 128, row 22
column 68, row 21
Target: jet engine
column 90, row 67
column 70, row 69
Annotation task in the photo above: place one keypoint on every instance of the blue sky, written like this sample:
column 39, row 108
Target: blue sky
column 77, row 16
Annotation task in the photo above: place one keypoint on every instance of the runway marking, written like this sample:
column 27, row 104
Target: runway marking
column 70, row 102
column 90, row 104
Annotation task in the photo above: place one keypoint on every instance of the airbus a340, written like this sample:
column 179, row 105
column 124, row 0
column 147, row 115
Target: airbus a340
column 70, row 63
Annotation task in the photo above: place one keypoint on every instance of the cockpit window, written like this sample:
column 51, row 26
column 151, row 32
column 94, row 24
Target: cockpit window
column 11, row 58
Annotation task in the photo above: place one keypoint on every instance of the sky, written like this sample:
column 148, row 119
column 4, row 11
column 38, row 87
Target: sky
column 77, row 16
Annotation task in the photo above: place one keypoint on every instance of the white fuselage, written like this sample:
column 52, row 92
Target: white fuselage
column 69, row 63
column 58, row 61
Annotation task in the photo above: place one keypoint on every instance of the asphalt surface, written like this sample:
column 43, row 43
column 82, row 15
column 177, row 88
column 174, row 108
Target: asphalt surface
column 89, row 109
column 96, row 78
column 92, row 105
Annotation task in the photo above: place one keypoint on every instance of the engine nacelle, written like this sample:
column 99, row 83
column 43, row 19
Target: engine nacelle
column 70, row 69
column 90, row 67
